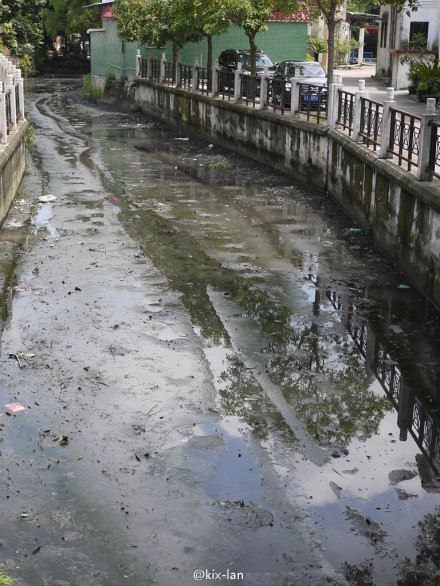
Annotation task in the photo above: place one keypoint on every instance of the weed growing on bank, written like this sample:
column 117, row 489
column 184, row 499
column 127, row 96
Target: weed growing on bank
column 89, row 89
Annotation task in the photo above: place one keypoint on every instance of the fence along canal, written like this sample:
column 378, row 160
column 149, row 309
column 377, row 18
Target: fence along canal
column 395, row 134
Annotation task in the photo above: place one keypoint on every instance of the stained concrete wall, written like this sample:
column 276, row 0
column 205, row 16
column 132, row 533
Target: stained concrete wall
column 400, row 214
column 12, row 167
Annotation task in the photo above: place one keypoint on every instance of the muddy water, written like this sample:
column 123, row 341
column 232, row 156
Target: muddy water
column 220, row 373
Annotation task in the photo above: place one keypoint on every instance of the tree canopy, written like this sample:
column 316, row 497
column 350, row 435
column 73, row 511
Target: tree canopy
column 20, row 25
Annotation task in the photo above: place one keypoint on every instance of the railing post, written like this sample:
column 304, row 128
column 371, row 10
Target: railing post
column 19, row 81
column 215, row 71
column 178, row 70
column 195, row 75
column 361, row 93
column 295, row 98
column 138, row 62
column 385, row 131
column 425, row 140
column 9, row 86
column 162, row 68
column 333, row 100
column 237, row 84
column 150, row 65
column 3, row 126
column 263, row 88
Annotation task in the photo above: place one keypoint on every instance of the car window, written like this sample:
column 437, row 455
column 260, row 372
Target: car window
column 263, row 60
column 245, row 58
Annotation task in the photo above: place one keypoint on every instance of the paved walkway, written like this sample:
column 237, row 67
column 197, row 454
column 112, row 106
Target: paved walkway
column 377, row 90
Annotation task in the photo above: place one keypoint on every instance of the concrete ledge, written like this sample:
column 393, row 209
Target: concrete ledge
column 12, row 168
column 400, row 214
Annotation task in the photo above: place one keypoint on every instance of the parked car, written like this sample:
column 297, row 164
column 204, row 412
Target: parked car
column 311, row 72
column 230, row 58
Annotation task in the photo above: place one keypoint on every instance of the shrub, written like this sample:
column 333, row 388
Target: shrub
column 109, row 79
column 87, row 87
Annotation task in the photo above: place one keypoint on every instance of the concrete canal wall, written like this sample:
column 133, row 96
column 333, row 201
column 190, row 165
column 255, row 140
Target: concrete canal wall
column 12, row 167
column 400, row 214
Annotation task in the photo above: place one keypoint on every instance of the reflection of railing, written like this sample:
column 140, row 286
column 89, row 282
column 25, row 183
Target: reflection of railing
column 414, row 414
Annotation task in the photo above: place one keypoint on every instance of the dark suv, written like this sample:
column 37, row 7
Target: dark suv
column 230, row 58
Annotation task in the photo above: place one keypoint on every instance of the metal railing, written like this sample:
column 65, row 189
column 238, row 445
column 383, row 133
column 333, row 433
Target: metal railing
column 251, row 89
column 404, row 137
column 226, row 84
column 9, row 123
column 204, row 80
column 186, row 76
column 345, row 118
column 17, row 103
column 280, row 95
column 170, row 73
column 394, row 133
column 371, row 122
column 434, row 149
column 312, row 101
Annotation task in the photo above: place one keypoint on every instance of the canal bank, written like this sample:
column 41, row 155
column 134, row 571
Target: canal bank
column 12, row 167
column 399, row 213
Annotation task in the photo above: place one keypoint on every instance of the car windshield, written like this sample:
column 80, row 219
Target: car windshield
column 310, row 70
column 262, row 60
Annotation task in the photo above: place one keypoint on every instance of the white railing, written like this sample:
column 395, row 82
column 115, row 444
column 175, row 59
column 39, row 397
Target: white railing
column 407, row 139
column 11, row 98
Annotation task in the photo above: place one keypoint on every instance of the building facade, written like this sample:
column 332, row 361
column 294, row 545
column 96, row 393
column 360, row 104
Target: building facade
column 396, row 30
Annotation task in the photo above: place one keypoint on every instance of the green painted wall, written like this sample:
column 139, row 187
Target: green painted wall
column 110, row 55
column 282, row 40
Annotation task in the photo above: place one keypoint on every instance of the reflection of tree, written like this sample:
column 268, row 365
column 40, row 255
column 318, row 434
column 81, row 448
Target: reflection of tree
column 244, row 396
column 360, row 575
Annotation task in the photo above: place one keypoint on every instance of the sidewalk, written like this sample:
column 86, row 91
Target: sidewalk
column 377, row 91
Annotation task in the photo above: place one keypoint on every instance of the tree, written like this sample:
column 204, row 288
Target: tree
column 316, row 47
column 158, row 22
column 21, row 29
column 328, row 9
column 67, row 17
column 252, row 16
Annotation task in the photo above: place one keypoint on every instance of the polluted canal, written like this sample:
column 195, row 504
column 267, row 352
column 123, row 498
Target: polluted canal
column 223, row 381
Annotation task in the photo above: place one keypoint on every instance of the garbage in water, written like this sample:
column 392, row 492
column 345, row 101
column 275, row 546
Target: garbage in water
column 15, row 407
column 113, row 198
column 154, row 307
column 355, row 230
column 403, row 286
column 47, row 198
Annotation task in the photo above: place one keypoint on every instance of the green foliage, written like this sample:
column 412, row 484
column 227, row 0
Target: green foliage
column 6, row 580
column 316, row 46
column 424, row 70
column 21, row 29
column 27, row 65
column 88, row 88
column 344, row 48
column 68, row 17
column 109, row 79
column 29, row 138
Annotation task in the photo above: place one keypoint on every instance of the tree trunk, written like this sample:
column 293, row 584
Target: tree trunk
column 331, row 24
column 209, row 58
column 253, row 54
column 174, row 52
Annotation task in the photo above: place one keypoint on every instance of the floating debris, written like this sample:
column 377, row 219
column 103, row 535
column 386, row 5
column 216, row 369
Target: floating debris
column 154, row 307
column 15, row 407
column 47, row 198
